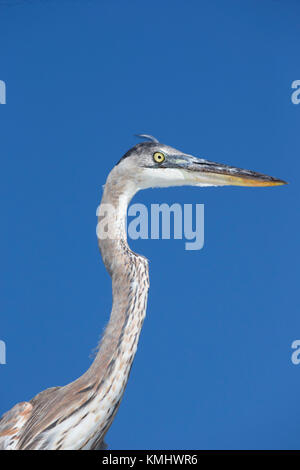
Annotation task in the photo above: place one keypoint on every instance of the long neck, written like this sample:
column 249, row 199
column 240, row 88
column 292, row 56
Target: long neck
column 130, row 283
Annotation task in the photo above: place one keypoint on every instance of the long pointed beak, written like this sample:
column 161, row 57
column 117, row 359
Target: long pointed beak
column 211, row 173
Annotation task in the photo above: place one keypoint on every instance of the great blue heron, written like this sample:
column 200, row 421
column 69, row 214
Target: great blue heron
column 78, row 415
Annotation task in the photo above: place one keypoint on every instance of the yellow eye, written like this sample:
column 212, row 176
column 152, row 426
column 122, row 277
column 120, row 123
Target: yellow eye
column 158, row 157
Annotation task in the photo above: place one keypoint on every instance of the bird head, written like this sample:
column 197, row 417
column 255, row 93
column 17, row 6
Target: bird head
column 153, row 164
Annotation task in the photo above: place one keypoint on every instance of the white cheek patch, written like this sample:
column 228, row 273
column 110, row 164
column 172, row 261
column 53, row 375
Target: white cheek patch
column 162, row 177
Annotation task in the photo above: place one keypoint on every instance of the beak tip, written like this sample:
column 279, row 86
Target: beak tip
column 281, row 182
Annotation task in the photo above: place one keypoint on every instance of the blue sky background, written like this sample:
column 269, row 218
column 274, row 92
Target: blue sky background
column 213, row 78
